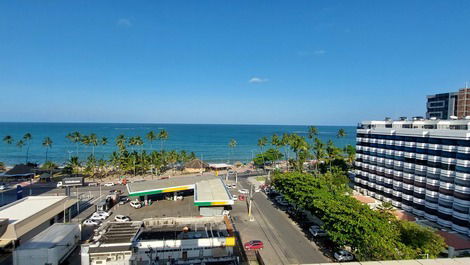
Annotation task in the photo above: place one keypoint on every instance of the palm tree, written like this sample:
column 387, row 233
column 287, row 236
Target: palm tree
column 47, row 143
column 74, row 164
column 8, row 139
column 285, row 143
column 350, row 152
column 76, row 138
column 232, row 144
column 312, row 132
column 121, row 142
column 20, row 144
column 85, row 140
column 300, row 147
column 341, row 133
column 319, row 151
column 27, row 137
column 163, row 136
column 151, row 136
column 261, row 144
column 93, row 142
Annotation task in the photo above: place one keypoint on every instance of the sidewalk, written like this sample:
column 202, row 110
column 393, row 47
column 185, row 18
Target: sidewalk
column 258, row 229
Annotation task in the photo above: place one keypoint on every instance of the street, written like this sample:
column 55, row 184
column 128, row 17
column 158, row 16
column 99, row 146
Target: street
column 286, row 238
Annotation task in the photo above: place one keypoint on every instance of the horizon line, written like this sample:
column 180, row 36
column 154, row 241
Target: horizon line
column 171, row 123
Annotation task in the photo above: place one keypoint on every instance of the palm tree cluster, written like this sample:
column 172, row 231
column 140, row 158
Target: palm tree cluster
column 24, row 141
column 310, row 147
column 130, row 156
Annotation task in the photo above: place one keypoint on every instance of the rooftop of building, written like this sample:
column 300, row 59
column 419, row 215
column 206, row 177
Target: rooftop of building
column 50, row 237
column 164, row 185
column 115, row 233
column 173, row 228
column 211, row 190
column 454, row 125
column 27, row 207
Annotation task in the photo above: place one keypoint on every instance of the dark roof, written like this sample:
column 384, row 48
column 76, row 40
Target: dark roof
column 20, row 169
column 455, row 240
column 196, row 163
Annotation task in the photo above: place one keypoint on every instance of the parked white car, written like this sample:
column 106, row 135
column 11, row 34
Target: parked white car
column 98, row 217
column 106, row 214
column 235, row 197
column 343, row 255
column 109, row 184
column 122, row 218
column 60, row 184
column 136, row 204
column 90, row 222
column 243, row 191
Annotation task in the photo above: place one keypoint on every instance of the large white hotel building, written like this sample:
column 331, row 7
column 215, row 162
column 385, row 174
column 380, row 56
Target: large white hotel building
column 421, row 166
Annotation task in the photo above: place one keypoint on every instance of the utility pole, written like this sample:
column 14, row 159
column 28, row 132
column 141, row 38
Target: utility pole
column 250, row 204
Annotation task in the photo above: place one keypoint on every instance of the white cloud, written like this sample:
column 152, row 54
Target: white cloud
column 311, row 53
column 124, row 22
column 257, row 80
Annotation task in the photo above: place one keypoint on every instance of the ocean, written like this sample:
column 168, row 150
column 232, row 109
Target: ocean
column 207, row 141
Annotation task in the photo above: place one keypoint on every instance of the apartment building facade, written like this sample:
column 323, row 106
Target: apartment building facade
column 442, row 106
column 421, row 166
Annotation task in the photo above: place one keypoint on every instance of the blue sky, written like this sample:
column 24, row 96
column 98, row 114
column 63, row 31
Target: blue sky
column 248, row 62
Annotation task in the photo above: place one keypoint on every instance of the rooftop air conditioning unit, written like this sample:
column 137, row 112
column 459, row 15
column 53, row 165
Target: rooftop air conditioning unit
column 467, row 117
column 433, row 118
column 388, row 119
column 403, row 118
column 453, row 117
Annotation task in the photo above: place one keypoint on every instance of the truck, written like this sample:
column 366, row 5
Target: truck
column 71, row 182
column 51, row 246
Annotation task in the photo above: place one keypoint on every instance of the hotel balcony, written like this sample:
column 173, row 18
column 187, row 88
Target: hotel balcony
column 434, row 158
column 420, row 168
column 396, row 203
column 379, row 180
column 463, row 163
column 390, row 142
column 396, row 153
column 430, row 217
column 359, row 139
column 449, row 148
column 433, row 170
column 408, row 176
column 373, row 160
column 444, row 212
column 421, row 156
column 389, row 162
column 434, row 147
column 380, row 151
column 397, row 165
column 373, row 149
column 463, row 149
column 448, row 160
column 358, row 147
column 409, row 154
column 399, row 143
column 447, row 173
column 419, row 179
column 365, row 140
column 357, row 163
column 372, row 140
column 381, row 141
column 366, row 148
column 409, row 166
column 410, row 144
column 422, row 145
column 446, row 198
column 446, row 185
column 460, row 229
column 388, row 191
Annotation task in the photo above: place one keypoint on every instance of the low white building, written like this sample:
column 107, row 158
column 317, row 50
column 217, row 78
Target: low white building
column 185, row 240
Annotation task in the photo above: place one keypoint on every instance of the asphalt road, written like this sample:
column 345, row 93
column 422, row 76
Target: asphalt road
column 297, row 248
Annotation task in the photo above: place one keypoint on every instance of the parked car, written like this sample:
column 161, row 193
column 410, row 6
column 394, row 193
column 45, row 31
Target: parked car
column 122, row 218
column 90, row 222
column 233, row 186
column 316, row 231
column 136, row 204
column 123, row 200
column 105, row 214
column 97, row 216
column 243, row 191
column 235, row 197
column 60, row 184
column 343, row 255
column 281, row 201
column 109, row 184
column 254, row 244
